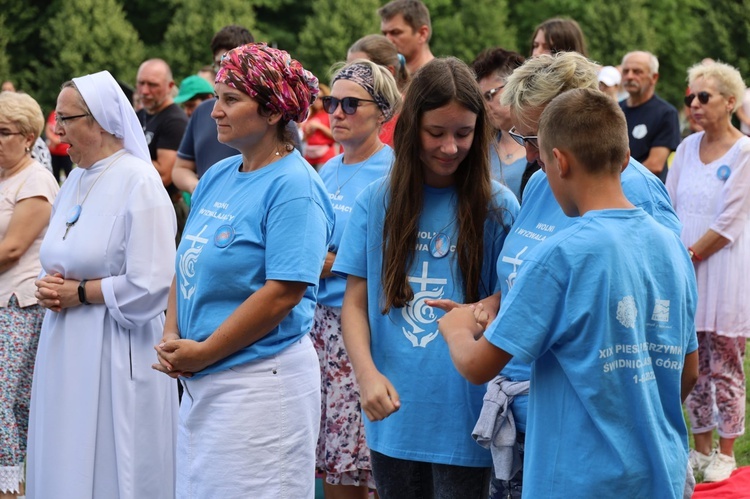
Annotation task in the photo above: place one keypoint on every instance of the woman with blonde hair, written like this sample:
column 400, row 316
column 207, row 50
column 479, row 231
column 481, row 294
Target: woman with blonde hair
column 708, row 183
column 27, row 191
column 363, row 97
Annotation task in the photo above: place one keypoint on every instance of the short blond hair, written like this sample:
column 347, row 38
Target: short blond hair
column 23, row 111
column 540, row 79
column 727, row 78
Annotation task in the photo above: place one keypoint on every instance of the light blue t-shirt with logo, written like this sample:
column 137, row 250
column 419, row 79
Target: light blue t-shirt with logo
column 438, row 407
column 245, row 228
column 541, row 217
column 605, row 310
column 344, row 183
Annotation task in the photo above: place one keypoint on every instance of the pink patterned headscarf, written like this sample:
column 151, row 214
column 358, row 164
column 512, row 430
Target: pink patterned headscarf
column 272, row 77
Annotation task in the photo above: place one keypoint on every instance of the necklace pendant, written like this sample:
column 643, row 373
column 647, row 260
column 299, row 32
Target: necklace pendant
column 440, row 244
column 337, row 193
column 73, row 215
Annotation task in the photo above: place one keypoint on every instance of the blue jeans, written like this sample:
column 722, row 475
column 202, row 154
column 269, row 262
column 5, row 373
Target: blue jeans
column 403, row 479
column 511, row 489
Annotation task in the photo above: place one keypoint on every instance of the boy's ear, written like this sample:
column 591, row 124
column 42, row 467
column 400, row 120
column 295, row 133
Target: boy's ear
column 563, row 161
column 626, row 162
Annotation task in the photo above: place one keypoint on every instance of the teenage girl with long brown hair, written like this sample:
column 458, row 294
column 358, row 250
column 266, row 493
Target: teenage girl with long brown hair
column 433, row 230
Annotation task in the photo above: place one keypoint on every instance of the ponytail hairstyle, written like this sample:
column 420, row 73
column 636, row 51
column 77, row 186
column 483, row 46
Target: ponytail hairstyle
column 382, row 51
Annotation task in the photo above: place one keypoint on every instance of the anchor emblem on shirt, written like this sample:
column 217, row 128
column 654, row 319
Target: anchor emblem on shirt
column 418, row 312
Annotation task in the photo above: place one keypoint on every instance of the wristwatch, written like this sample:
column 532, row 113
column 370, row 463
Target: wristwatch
column 82, row 292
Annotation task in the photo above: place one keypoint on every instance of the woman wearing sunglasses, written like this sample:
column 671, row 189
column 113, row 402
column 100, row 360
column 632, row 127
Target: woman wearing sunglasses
column 433, row 229
column 709, row 183
column 363, row 96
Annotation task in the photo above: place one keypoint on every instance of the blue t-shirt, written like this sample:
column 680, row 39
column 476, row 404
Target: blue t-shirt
column 246, row 228
column 509, row 174
column 605, row 310
column 438, row 407
column 349, row 180
column 541, row 217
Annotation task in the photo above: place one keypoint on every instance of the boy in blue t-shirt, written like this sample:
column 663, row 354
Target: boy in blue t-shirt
column 606, row 307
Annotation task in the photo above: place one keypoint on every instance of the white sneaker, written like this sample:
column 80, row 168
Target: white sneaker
column 699, row 461
column 720, row 468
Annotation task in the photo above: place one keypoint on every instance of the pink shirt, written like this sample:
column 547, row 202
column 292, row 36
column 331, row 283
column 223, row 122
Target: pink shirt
column 33, row 181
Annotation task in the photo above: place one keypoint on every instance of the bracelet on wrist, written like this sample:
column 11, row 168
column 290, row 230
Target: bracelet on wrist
column 82, row 292
column 694, row 256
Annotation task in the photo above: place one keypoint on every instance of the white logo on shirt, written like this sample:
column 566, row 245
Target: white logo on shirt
column 661, row 311
column 187, row 262
column 626, row 311
column 516, row 262
column 640, row 131
column 417, row 312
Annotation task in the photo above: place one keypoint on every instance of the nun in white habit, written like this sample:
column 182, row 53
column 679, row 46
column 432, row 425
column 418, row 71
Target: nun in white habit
column 102, row 422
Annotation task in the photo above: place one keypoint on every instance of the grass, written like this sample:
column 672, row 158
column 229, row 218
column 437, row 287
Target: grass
column 742, row 444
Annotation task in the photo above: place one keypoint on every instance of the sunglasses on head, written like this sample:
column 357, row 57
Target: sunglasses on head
column 521, row 140
column 348, row 104
column 702, row 98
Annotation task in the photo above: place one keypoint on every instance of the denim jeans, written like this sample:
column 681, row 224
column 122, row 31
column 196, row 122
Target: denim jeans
column 511, row 489
column 403, row 479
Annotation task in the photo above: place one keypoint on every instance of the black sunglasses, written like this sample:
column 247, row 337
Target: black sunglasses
column 348, row 104
column 702, row 98
column 521, row 140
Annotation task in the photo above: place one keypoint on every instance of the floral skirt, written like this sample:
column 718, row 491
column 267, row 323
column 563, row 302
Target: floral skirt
column 342, row 454
column 19, row 337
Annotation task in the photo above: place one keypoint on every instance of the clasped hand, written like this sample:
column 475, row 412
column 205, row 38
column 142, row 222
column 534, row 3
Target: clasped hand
column 56, row 293
column 179, row 357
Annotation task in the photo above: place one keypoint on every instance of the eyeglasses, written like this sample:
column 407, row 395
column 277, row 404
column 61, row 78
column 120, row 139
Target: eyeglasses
column 532, row 140
column 490, row 94
column 348, row 104
column 5, row 134
column 702, row 98
column 63, row 120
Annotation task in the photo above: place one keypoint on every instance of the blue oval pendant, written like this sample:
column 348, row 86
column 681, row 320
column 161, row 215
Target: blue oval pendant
column 73, row 214
column 723, row 172
column 224, row 236
column 440, row 244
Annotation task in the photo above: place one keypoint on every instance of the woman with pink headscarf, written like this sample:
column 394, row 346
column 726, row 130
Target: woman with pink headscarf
column 243, row 298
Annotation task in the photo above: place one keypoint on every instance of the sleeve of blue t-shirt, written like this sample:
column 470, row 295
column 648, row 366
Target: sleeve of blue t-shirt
column 187, row 146
column 297, row 233
column 532, row 306
column 351, row 258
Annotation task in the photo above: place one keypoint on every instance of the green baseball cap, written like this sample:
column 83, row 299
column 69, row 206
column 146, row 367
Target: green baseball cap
column 191, row 87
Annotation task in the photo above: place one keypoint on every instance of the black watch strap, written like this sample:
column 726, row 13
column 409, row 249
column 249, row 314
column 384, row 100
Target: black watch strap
column 82, row 292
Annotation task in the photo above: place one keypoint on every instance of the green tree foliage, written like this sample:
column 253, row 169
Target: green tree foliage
column 5, row 71
column 668, row 28
column 82, row 37
column 187, row 40
column 332, row 28
column 463, row 28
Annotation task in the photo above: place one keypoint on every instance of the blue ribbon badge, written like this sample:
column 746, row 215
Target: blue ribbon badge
column 723, row 172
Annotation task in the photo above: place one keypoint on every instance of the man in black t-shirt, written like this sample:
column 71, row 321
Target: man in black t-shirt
column 653, row 124
column 164, row 125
